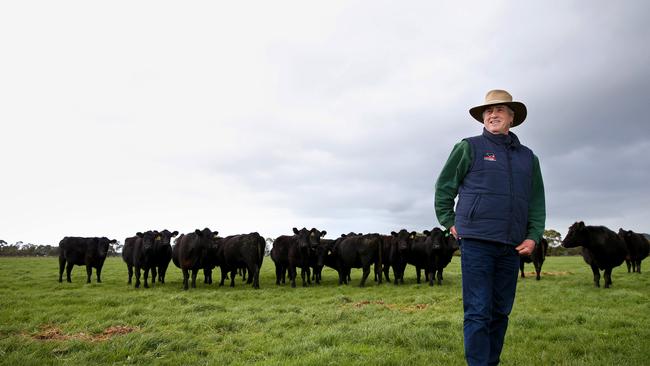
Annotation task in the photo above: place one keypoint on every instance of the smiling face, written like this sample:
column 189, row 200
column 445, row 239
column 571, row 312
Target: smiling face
column 497, row 119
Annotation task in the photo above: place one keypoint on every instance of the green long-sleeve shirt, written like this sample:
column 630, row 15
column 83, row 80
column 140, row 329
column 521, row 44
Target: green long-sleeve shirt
column 451, row 177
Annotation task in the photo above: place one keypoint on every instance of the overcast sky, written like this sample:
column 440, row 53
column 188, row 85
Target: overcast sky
column 125, row 116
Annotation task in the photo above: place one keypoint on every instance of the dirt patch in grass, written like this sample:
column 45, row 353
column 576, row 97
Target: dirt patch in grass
column 53, row 333
column 398, row 307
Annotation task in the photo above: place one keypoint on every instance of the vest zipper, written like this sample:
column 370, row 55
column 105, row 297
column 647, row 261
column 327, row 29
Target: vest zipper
column 512, row 194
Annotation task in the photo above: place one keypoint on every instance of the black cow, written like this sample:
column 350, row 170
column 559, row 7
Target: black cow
column 303, row 249
column 358, row 251
column 423, row 253
column 602, row 249
column 442, row 256
column 190, row 252
column 237, row 251
column 89, row 252
column 536, row 257
column 637, row 248
column 162, row 254
column 396, row 251
column 138, row 252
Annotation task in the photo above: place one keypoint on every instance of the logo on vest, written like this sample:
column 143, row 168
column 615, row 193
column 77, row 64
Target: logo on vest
column 489, row 156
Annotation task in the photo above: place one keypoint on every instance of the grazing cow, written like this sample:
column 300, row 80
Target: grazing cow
column 602, row 249
column 190, row 252
column 162, row 254
column 396, row 251
column 303, row 249
column 238, row 251
column 358, row 251
column 89, row 252
column 138, row 252
column 537, row 257
column 637, row 248
column 423, row 253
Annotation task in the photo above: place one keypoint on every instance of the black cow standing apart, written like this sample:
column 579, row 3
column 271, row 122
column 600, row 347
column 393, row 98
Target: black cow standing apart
column 637, row 249
column 162, row 254
column 89, row 252
column 536, row 257
column 396, row 251
column 301, row 250
column 359, row 251
column 190, row 251
column 443, row 256
column 423, row 253
column 237, row 251
column 138, row 252
column 602, row 249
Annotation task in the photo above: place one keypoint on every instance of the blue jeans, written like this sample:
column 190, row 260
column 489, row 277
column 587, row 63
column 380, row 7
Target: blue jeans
column 489, row 276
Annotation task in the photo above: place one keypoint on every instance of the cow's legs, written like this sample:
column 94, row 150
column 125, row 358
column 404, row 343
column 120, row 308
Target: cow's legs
column 418, row 274
column 366, row 273
column 137, row 276
column 255, row 273
column 233, row 273
column 638, row 267
column 162, row 272
column 186, row 278
column 538, row 270
column 61, row 268
column 130, row 270
column 195, row 272
column 98, row 270
column 521, row 268
column 146, row 277
column 278, row 274
column 303, row 273
column 89, row 272
column 154, row 273
column 68, row 271
column 439, row 276
column 608, row 277
column 629, row 265
column 596, row 272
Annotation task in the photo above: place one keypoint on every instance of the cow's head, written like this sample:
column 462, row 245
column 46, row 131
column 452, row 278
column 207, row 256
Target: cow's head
column 166, row 237
column 103, row 246
column 573, row 237
column 316, row 248
column 403, row 240
column 149, row 240
column 450, row 240
column 303, row 236
column 435, row 238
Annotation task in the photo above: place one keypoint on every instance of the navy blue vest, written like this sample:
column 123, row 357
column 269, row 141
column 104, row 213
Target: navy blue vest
column 494, row 195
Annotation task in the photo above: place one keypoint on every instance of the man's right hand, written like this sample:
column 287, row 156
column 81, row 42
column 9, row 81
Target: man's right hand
column 453, row 231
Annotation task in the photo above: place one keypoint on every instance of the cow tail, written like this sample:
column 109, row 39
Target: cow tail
column 261, row 246
column 381, row 250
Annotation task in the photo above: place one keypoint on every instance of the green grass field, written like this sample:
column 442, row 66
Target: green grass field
column 560, row 320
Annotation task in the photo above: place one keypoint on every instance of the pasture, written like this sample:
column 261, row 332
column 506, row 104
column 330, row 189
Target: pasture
column 560, row 320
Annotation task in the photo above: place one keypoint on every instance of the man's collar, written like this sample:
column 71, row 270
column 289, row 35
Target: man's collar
column 509, row 139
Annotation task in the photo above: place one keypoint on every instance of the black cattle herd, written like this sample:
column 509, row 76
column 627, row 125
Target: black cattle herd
column 151, row 251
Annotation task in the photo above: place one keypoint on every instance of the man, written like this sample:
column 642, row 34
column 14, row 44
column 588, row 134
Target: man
column 500, row 215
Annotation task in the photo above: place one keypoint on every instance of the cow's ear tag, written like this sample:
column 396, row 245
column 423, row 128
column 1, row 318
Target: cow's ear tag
column 158, row 237
column 446, row 234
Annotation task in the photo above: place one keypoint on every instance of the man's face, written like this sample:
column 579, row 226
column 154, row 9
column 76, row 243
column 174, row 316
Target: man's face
column 497, row 119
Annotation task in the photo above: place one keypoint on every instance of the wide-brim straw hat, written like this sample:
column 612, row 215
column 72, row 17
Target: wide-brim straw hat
column 495, row 97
